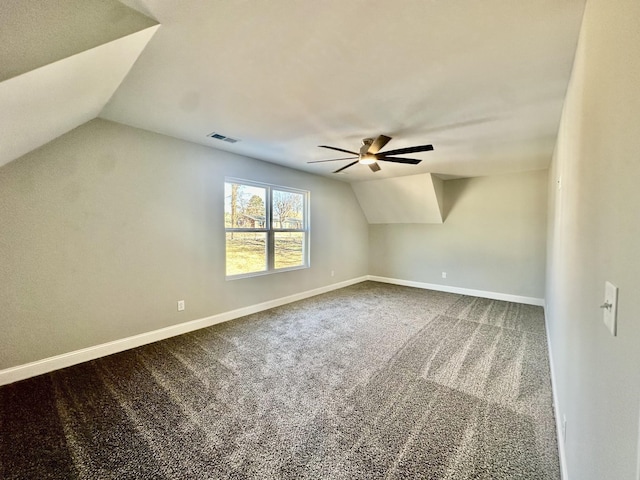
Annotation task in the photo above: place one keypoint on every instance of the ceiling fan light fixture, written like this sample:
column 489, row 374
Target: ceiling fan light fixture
column 367, row 159
column 370, row 154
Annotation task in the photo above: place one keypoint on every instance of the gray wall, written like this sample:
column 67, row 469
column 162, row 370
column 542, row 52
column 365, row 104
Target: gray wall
column 493, row 238
column 594, row 235
column 105, row 228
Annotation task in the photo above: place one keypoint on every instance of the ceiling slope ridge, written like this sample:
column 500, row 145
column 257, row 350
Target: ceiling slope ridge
column 40, row 105
column 408, row 199
column 34, row 34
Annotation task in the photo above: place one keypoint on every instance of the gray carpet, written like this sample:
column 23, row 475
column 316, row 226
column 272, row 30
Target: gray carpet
column 372, row 381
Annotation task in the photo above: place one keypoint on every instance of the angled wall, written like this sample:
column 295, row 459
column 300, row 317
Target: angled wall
column 49, row 101
column 60, row 63
column 408, row 199
column 493, row 239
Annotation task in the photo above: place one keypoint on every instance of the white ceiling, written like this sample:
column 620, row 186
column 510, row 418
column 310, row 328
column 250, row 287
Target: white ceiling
column 483, row 81
column 40, row 105
column 407, row 199
column 34, row 33
column 60, row 63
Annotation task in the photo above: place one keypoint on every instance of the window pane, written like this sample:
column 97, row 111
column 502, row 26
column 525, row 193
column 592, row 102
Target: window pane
column 289, row 249
column 288, row 210
column 244, row 206
column 246, row 252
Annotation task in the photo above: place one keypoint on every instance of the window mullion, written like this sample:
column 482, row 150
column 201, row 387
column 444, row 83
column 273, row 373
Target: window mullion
column 270, row 235
column 305, row 225
column 245, row 255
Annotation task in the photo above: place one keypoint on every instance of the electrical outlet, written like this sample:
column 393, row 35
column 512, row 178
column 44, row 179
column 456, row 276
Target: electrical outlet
column 444, row 274
column 180, row 305
column 333, row 273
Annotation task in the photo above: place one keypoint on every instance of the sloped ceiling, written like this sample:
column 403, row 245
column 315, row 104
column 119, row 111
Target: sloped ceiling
column 407, row 199
column 483, row 81
column 60, row 62
column 34, row 33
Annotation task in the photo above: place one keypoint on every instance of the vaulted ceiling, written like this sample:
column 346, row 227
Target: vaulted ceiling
column 484, row 82
column 60, row 62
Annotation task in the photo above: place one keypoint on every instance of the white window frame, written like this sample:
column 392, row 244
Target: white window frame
column 271, row 230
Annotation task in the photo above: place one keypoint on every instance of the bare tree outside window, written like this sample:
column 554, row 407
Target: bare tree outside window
column 266, row 228
column 287, row 205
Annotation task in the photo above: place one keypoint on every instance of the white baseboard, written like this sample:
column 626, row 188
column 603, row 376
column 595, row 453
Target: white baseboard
column 21, row 372
column 638, row 462
column 564, row 475
column 463, row 291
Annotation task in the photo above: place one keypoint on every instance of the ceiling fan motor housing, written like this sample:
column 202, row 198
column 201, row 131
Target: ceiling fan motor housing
column 366, row 144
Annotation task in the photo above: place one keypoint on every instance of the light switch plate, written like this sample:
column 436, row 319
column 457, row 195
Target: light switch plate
column 610, row 310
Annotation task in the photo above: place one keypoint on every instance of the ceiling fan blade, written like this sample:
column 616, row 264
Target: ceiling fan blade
column 374, row 167
column 419, row 148
column 339, row 149
column 411, row 161
column 379, row 143
column 346, row 166
column 332, row 160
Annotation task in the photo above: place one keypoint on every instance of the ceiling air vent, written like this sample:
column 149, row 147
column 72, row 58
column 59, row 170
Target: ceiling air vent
column 224, row 138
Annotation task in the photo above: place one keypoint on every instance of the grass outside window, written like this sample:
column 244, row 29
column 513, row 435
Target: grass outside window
column 266, row 228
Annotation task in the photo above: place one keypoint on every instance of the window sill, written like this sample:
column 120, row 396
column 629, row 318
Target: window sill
column 263, row 273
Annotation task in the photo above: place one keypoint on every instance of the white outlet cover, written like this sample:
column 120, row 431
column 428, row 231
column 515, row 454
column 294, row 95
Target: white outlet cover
column 610, row 315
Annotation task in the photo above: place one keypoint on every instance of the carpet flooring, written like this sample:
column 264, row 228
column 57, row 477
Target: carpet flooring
column 372, row 381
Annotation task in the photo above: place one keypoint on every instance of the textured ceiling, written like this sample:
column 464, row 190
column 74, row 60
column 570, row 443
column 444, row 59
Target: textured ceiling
column 60, row 63
column 34, row 33
column 483, row 81
column 40, row 105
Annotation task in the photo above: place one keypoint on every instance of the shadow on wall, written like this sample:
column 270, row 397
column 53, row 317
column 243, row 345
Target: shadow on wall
column 453, row 191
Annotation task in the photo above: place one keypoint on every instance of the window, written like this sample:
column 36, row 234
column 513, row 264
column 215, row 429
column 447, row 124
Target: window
column 266, row 228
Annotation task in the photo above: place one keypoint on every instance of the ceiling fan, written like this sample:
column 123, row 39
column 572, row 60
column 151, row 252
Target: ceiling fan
column 370, row 153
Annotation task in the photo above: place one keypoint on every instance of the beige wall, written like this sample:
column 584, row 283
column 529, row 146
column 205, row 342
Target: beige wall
column 105, row 228
column 594, row 236
column 493, row 238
